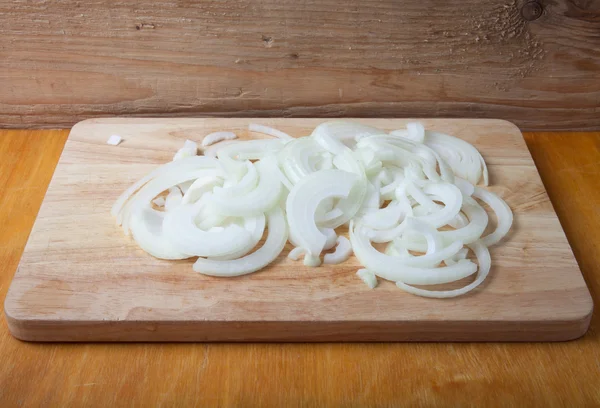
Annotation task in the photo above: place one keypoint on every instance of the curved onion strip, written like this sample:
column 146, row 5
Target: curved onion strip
column 296, row 158
column 296, row 253
column 503, row 214
column 384, row 218
column 180, row 229
column 415, row 270
column 257, row 201
column 464, row 159
column 343, row 250
column 478, row 220
column 276, row 239
column 199, row 187
column 256, row 227
column 246, row 184
column 267, row 130
column 447, row 193
column 367, row 277
column 181, row 165
column 232, row 155
column 146, row 229
column 344, row 131
column 155, row 187
column 485, row 264
column 432, row 236
column 304, row 199
column 350, row 204
column 331, row 237
column 216, row 137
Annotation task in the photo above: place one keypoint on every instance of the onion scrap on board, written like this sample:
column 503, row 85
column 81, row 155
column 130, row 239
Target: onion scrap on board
column 415, row 191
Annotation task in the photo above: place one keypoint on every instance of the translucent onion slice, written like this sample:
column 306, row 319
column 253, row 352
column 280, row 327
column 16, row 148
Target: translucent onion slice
column 147, row 231
column 256, row 201
column 503, row 214
column 180, row 229
column 416, row 270
column 304, row 199
column 276, row 239
column 254, row 127
column 485, row 263
column 179, row 166
column 256, row 227
column 367, row 277
column 155, row 187
column 464, row 159
column 216, row 137
column 384, row 218
column 232, row 156
column 296, row 253
column 343, row 250
column 199, row 187
column 344, row 131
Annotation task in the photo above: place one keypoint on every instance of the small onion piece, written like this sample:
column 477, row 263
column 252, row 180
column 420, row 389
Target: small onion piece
column 367, row 277
column 254, row 127
column 217, row 137
column 485, row 263
column 343, row 250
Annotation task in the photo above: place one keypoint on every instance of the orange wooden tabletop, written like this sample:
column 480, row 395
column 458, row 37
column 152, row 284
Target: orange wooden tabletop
column 392, row 374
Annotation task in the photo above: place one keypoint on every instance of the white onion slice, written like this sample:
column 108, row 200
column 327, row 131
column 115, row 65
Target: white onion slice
column 343, row 250
column 173, row 199
column 256, row 201
column 216, row 137
column 253, row 127
column 415, row 270
column 503, row 214
column 199, row 187
column 178, row 166
column 367, row 277
column 296, row 253
column 255, row 226
column 147, row 231
column 464, row 159
column 276, row 239
column 180, row 229
column 304, row 199
column 485, row 264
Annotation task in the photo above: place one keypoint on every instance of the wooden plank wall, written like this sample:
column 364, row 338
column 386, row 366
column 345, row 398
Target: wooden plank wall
column 535, row 63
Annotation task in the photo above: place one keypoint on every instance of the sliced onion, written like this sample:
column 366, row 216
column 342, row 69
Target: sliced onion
column 485, row 264
column 416, row 270
column 304, row 199
column 343, row 250
column 367, row 277
column 183, row 165
column 253, row 127
column 181, row 230
column 466, row 162
column 296, row 253
column 503, row 214
column 276, row 239
column 216, row 137
column 147, row 231
column 256, row 201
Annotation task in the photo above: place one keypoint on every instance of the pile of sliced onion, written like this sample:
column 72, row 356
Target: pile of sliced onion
column 413, row 190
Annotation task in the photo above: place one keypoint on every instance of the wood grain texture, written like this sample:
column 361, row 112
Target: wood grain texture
column 307, row 375
column 80, row 279
column 63, row 61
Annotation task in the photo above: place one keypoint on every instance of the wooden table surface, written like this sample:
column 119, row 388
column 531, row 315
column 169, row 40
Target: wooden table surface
column 146, row 375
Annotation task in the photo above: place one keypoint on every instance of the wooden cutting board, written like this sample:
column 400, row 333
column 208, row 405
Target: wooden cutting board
column 81, row 279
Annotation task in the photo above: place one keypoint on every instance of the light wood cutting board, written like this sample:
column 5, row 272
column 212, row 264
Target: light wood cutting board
column 80, row 279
